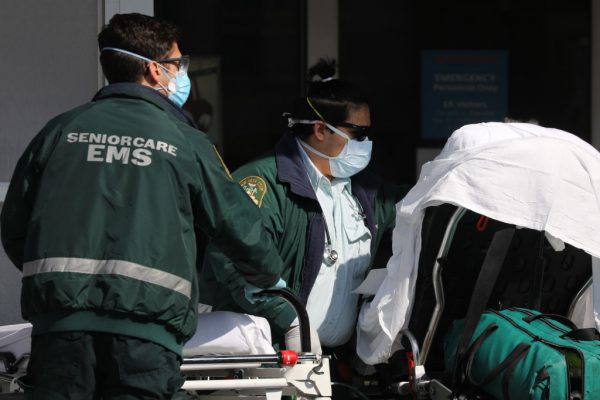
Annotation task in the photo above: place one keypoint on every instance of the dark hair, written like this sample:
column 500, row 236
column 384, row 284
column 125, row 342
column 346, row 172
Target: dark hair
column 334, row 99
column 147, row 36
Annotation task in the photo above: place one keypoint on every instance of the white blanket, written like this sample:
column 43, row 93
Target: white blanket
column 229, row 333
column 218, row 333
column 521, row 174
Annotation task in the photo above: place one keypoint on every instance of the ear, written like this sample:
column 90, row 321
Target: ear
column 154, row 73
column 320, row 131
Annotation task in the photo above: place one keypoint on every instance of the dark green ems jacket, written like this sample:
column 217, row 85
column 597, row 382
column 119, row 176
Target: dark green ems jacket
column 279, row 185
column 100, row 217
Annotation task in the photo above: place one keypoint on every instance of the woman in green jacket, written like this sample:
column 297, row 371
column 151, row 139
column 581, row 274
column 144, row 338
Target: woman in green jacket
column 326, row 213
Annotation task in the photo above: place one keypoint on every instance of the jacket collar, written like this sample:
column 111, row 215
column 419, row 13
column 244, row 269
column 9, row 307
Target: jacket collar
column 291, row 169
column 136, row 90
column 315, row 177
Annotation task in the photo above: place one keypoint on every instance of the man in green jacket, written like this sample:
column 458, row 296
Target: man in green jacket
column 100, row 217
column 325, row 213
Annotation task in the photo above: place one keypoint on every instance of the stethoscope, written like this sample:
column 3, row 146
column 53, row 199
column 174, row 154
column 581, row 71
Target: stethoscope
column 330, row 256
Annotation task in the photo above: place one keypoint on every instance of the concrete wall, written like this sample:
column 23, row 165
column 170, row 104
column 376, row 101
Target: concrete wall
column 49, row 65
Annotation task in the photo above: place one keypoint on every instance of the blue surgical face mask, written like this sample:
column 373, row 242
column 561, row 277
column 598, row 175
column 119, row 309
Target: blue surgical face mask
column 179, row 86
column 354, row 157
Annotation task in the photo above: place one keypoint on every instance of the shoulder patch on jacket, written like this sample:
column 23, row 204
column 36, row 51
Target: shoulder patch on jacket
column 255, row 187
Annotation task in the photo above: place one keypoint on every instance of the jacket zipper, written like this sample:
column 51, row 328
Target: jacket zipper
column 550, row 344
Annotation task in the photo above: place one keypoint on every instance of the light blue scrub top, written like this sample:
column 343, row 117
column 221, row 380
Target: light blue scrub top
column 331, row 306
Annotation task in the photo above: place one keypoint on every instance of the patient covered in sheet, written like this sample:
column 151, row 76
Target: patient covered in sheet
column 521, row 174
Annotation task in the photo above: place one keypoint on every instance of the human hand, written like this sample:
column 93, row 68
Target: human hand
column 250, row 291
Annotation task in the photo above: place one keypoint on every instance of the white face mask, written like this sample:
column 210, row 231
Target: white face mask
column 355, row 155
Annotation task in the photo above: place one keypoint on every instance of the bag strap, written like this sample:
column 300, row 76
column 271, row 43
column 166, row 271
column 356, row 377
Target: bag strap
column 512, row 360
column 470, row 355
column 507, row 365
column 585, row 334
column 538, row 275
column 481, row 294
column 558, row 318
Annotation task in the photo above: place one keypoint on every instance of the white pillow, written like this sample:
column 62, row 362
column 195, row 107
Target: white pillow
column 229, row 333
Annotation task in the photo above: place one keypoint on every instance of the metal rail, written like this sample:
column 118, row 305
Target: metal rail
column 438, row 286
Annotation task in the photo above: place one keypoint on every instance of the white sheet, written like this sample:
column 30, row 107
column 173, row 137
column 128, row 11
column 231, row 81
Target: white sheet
column 229, row 333
column 527, row 175
column 218, row 333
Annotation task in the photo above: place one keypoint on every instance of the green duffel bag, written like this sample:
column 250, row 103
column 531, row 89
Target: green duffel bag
column 521, row 354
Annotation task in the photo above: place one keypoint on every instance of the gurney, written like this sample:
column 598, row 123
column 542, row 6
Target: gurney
column 543, row 183
column 230, row 357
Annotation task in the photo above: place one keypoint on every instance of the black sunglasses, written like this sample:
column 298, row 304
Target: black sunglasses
column 359, row 132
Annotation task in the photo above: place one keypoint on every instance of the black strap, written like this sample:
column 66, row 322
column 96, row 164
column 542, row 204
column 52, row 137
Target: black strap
column 558, row 318
column 481, row 294
column 515, row 356
column 508, row 365
column 470, row 354
column 538, row 275
column 585, row 334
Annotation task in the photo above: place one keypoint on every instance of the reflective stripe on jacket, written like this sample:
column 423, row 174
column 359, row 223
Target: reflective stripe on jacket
column 101, row 212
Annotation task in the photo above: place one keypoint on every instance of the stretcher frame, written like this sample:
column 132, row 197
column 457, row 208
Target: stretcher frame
column 222, row 377
column 419, row 386
column 268, row 376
